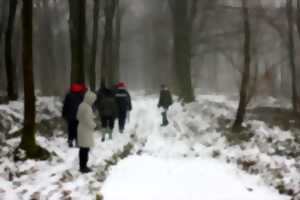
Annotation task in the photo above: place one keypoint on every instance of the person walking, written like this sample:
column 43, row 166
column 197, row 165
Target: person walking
column 124, row 106
column 86, row 129
column 108, row 111
column 165, row 101
column 70, row 106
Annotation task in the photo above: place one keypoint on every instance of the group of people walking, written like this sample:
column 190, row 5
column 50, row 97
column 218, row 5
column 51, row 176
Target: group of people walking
column 78, row 110
column 113, row 103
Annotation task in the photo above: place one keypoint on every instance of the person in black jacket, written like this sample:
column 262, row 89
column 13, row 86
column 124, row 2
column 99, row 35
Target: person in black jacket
column 108, row 110
column 165, row 101
column 124, row 104
column 70, row 106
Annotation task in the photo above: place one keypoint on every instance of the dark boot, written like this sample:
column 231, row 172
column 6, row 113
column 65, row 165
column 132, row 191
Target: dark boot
column 83, row 159
column 122, row 120
column 72, row 132
column 85, row 170
column 165, row 121
column 70, row 143
column 104, row 132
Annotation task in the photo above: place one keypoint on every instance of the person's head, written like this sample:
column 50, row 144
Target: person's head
column 90, row 97
column 78, row 87
column 164, row 87
column 121, row 85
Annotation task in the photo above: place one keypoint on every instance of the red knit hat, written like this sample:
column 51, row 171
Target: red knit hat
column 121, row 85
column 77, row 87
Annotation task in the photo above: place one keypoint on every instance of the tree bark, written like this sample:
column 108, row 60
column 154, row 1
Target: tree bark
column 2, row 23
column 117, row 42
column 2, row 19
column 92, row 74
column 77, row 35
column 107, row 71
column 246, row 73
column 11, row 71
column 2, row 28
column 28, row 143
column 298, row 17
column 182, row 49
column 291, row 48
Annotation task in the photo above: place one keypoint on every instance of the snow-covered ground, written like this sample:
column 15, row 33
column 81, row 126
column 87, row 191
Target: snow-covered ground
column 189, row 159
column 148, row 178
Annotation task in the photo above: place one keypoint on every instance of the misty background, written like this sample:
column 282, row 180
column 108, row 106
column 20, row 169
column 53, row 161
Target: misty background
column 146, row 45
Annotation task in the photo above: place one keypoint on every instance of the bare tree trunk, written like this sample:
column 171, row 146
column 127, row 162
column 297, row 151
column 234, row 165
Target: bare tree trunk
column 182, row 49
column 298, row 17
column 2, row 18
column 28, row 142
column 2, row 24
column 107, row 72
column 117, row 42
column 291, row 48
column 77, row 35
column 3, row 6
column 92, row 74
column 246, row 73
column 11, row 71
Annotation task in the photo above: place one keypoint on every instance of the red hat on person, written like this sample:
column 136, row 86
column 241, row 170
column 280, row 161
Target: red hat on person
column 77, row 87
column 121, row 85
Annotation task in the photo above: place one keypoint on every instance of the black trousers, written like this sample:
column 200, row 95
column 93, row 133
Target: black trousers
column 72, row 130
column 108, row 122
column 122, row 119
column 83, row 157
column 165, row 121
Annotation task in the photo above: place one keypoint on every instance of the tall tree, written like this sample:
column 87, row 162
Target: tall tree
column 117, row 41
column 246, row 72
column 107, row 70
column 2, row 28
column 92, row 75
column 11, row 70
column 291, row 52
column 298, row 17
column 182, row 26
column 2, row 20
column 28, row 142
column 77, row 35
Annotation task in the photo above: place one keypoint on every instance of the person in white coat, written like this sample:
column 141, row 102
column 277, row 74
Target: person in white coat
column 86, row 127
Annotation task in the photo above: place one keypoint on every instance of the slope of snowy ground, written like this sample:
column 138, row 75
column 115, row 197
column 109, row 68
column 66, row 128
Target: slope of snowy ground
column 189, row 159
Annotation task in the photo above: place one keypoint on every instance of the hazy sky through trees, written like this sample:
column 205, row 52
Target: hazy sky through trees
column 146, row 55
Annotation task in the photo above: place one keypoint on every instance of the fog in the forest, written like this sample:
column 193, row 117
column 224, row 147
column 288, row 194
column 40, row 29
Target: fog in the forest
column 146, row 53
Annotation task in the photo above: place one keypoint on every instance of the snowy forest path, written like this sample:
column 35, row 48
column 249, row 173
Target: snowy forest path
column 189, row 159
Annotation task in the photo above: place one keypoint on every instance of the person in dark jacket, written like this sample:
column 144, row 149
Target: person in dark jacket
column 108, row 110
column 165, row 101
column 124, row 104
column 70, row 106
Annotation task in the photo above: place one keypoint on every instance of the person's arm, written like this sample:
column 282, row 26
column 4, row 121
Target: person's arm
column 170, row 98
column 129, row 101
column 65, row 107
column 160, row 100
